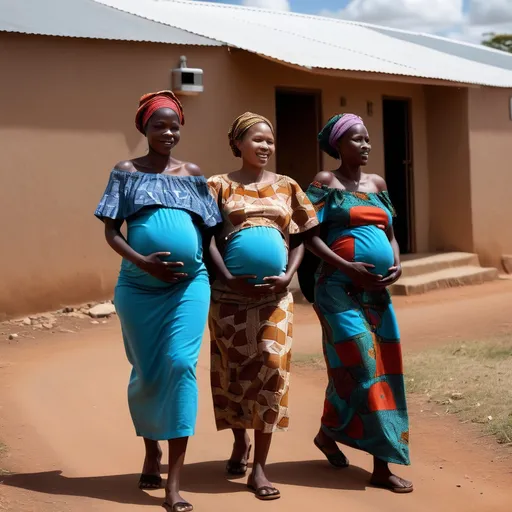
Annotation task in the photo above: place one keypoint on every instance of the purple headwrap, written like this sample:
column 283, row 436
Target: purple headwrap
column 344, row 123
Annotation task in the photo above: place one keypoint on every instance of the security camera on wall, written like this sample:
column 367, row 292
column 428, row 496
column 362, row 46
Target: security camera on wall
column 187, row 81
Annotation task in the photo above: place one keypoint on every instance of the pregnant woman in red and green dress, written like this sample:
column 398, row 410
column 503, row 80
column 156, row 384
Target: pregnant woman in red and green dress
column 365, row 405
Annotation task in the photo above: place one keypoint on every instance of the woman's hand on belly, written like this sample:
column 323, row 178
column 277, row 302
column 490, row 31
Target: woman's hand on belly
column 394, row 275
column 163, row 270
column 277, row 284
column 360, row 275
column 242, row 286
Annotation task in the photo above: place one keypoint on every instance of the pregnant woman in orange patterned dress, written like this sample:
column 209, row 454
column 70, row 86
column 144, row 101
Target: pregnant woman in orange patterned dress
column 365, row 404
column 255, row 257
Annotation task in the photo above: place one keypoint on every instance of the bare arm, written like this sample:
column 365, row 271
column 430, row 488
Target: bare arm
column 152, row 264
column 218, row 262
column 118, row 242
column 295, row 255
column 394, row 244
column 313, row 240
column 237, row 283
column 320, row 249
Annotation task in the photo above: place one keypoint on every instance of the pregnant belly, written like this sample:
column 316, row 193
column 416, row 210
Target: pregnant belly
column 366, row 244
column 259, row 251
column 167, row 230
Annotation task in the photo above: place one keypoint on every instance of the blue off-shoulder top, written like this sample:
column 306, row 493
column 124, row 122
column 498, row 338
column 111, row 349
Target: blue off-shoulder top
column 128, row 192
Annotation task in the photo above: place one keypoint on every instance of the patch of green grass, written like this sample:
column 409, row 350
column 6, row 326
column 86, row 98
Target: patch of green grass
column 315, row 361
column 471, row 379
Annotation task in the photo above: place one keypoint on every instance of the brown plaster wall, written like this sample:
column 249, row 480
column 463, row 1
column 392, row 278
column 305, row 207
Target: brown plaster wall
column 67, row 108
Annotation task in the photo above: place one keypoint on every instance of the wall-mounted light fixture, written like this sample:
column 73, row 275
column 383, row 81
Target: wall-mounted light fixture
column 187, row 81
column 343, row 101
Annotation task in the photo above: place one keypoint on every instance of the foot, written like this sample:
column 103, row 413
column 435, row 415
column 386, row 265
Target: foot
column 261, row 486
column 151, row 471
column 175, row 503
column 237, row 463
column 330, row 449
column 387, row 480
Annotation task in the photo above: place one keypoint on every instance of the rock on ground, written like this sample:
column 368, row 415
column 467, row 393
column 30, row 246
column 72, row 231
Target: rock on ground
column 102, row 310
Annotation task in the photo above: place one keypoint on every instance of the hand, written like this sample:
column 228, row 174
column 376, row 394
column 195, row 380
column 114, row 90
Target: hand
column 162, row 270
column 394, row 275
column 278, row 284
column 361, row 276
column 241, row 285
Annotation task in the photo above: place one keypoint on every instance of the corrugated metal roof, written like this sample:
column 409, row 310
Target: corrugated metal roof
column 89, row 19
column 477, row 53
column 327, row 43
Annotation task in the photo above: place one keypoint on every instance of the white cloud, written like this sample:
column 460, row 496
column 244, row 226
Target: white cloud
column 444, row 17
column 422, row 15
column 490, row 12
column 275, row 5
column 477, row 33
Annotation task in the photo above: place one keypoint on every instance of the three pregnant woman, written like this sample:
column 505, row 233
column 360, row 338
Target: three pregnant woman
column 255, row 256
column 365, row 405
column 163, row 292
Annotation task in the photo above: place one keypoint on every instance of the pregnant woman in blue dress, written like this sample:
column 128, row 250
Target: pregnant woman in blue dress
column 163, row 292
column 365, row 405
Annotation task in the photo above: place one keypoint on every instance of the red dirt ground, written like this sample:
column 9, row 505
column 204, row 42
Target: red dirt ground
column 65, row 421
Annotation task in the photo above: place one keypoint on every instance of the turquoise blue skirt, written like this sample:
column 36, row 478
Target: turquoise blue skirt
column 163, row 325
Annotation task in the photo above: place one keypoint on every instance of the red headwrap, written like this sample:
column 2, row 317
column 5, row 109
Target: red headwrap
column 151, row 102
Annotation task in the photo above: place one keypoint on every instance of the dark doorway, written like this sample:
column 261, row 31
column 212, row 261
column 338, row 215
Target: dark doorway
column 298, row 120
column 398, row 167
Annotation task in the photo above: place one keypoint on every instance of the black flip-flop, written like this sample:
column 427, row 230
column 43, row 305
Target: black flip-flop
column 261, row 492
column 150, row 482
column 238, row 467
column 338, row 459
column 181, row 506
column 398, row 489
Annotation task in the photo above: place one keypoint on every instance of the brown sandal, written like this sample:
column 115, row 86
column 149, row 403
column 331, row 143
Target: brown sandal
column 238, row 467
column 398, row 489
column 181, row 506
column 150, row 482
column 265, row 493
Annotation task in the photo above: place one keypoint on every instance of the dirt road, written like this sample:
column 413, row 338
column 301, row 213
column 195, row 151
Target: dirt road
column 64, row 417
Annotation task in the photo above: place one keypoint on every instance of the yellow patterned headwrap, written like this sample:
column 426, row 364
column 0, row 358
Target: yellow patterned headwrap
column 240, row 125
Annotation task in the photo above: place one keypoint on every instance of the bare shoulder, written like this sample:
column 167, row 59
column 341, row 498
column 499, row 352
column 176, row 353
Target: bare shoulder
column 125, row 165
column 325, row 178
column 192, row 169
column 378, row 181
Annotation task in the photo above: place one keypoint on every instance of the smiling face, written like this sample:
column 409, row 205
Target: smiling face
column 257, row 145
column 354, row 147
column 163, row 131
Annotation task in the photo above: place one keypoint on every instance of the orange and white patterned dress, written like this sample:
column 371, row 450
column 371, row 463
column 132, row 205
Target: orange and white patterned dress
column 251, row 338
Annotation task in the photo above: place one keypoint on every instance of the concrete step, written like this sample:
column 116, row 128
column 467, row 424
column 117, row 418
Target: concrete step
column 445, row 278
column 419, row 264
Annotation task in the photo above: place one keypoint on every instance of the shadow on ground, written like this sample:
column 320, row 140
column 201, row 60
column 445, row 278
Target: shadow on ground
column 202, row 477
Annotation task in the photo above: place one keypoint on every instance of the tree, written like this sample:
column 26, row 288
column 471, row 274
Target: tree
column 501, row 42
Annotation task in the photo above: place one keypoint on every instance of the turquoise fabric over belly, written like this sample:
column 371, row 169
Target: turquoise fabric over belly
column 258, row 251
column 164, row 230
column 371, row 245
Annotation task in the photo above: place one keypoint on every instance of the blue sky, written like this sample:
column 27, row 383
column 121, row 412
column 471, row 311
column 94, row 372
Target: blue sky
column 459, row 19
